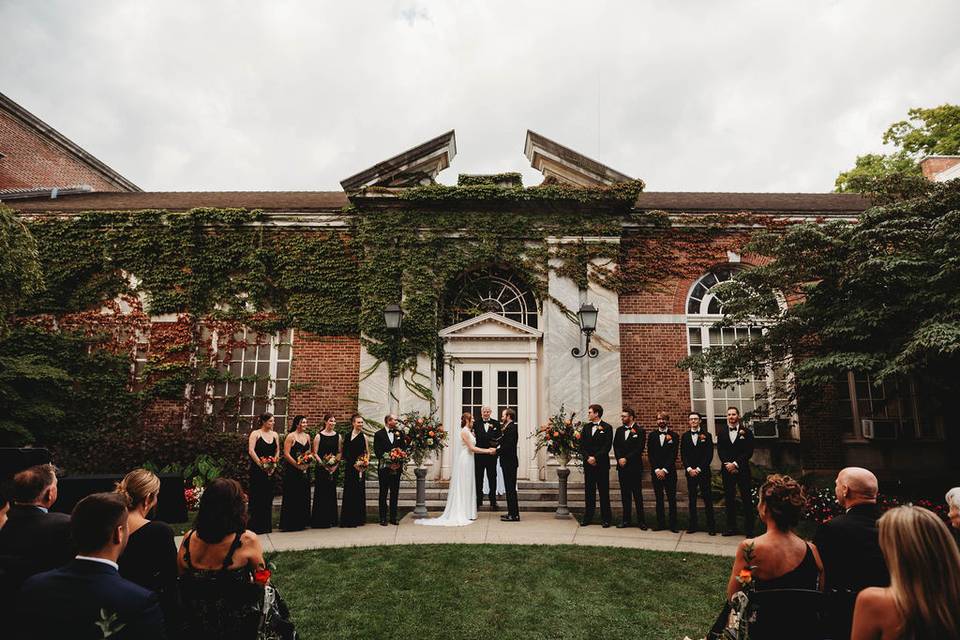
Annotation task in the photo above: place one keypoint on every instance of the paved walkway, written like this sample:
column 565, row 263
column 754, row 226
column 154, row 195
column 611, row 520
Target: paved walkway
column 534, row 528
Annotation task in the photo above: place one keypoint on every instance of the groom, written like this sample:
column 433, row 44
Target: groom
column 509, row 462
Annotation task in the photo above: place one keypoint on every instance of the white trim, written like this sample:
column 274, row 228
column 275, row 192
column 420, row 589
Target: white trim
column 523, row 331
column 653, row 318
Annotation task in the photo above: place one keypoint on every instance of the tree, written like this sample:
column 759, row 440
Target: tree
column 924, row 132
column 879, row 296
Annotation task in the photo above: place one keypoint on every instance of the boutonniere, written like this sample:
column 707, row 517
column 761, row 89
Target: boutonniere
column 703, row 437
column 668, row 439
column 633, row 430
column 742, row 433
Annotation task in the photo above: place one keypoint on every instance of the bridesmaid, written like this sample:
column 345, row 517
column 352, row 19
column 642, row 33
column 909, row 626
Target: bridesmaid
column 325, row 490
column 295, row 508
column 263, row 442
column 353, row 512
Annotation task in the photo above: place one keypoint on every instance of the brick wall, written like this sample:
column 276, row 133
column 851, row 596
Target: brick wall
column 937, row 164
column 32, row 161
column 651, row 381
column 325, row 376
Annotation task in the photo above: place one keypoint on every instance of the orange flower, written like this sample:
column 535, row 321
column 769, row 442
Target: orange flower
column 556, row 434
column 261, row 576
column 577, row 435
column 745, row 577
column 430, row 433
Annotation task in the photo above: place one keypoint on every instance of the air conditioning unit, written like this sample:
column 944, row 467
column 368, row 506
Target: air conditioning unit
column 879, row 428
column 766, row 429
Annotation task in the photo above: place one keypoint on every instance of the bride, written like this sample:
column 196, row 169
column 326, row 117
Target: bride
column 461, row 508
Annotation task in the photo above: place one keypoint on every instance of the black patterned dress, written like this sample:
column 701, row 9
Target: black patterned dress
column 325, row 486
column 260, row 506
column 295, row 508
column 353, row 512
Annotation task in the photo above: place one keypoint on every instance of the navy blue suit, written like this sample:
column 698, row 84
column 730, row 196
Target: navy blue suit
column 66, row 603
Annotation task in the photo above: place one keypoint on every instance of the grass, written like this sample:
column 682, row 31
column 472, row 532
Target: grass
column 501, row 591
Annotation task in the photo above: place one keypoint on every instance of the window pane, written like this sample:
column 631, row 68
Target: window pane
column 283, row 353
column 283, row 370
column 695, row 336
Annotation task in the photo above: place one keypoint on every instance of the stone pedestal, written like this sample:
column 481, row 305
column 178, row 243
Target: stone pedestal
column 420, row 510
column 563, row 513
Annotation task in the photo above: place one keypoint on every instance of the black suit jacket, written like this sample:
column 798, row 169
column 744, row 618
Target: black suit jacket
column 66, row 603
column 739, row 451
column 487, row 440
column 699, row 455
column 849, row 546
column 33, row 541
column 596, row 443
column 508, row 446
column 663, row 457
column 629, row 442
column 381, row 444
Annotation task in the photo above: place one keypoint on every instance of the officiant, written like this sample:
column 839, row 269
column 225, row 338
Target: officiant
column 488, row 434
column 384, row 441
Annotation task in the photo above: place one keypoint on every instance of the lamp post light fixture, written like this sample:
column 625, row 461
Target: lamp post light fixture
column 588, row 324
column 392, row 316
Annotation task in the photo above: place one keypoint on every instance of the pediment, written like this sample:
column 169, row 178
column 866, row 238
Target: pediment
column 490, row 326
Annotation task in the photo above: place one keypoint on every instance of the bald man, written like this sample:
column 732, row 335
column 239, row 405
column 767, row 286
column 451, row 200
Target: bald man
column 849, row 547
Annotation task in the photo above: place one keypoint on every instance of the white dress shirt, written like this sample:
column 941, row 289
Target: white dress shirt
column 100, row 560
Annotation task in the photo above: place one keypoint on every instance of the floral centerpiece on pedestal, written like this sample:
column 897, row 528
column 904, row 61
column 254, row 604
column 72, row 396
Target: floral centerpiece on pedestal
column 560, row 436
column 425, row 435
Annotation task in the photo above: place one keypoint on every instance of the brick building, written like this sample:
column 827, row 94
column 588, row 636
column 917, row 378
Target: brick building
column 514, row 349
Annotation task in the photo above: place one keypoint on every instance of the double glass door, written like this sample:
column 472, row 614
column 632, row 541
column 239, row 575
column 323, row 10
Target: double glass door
column 497, row 386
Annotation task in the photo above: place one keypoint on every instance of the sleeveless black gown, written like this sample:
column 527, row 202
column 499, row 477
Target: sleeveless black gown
column 295, row 508
column 325, row 487
column 260, row 505
column 353, row 512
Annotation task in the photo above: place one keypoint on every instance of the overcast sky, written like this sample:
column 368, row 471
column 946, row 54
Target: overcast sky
column 278, row 95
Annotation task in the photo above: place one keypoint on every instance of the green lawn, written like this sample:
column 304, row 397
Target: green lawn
column 500, row 592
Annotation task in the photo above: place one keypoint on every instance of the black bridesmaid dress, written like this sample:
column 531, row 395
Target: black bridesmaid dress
column 260, row 507
column 325, row 486
column 295, row 508
column 353, row 512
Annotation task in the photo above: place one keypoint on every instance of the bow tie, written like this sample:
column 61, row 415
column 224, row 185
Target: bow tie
column 694, row 431
column 662, row 431
column 734, row 428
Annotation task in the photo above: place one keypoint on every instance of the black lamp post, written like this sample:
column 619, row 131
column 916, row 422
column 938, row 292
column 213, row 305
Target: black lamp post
column 588, row 324
column 392, row 316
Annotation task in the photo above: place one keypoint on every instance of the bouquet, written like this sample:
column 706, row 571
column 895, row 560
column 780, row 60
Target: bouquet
column 396, row 459
column 362, row 463
column 560, row 436
column 306, row 460
column 425, row 435
column 329, row 461
column 268, row 464
column 192, row 495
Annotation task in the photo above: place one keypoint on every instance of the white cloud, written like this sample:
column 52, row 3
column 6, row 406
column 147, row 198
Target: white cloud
column 732, row 96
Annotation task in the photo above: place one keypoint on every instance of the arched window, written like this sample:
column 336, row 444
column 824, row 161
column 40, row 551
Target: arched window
column 492, row 289
column 755, row 395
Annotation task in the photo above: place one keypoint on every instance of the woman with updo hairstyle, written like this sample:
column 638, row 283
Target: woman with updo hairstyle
column 781, row 559
column 150, row 557
column 923, row 599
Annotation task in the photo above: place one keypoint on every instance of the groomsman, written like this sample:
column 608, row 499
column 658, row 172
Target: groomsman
column 488, row 434
column 385, row 440
column 595, row 441
column 509, row 462
column 628, row 444
column 662, row 445
column 735, row 448
column 696, row 452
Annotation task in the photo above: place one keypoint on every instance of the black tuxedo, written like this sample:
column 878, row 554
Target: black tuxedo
column 31, row 542
column 852, row 561
column 509, row 462
column 596, row 442
column 696, row 452
column 664, row 457
column 629, row 442
column 485, row 463
column 739, row 451
column 66, row 603
column 389, row 479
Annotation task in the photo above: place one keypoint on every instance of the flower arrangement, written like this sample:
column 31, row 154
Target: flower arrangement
column 396, row 459
column 560, row 436
column 306, row 460
column 425, row 435
column 822, row 505
column 362, row 462
column 268, row 464
column 741, row 613
column 192, row 496
column 329, row 461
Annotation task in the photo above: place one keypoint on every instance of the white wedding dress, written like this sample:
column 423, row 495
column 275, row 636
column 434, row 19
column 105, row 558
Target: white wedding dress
column 461, row 508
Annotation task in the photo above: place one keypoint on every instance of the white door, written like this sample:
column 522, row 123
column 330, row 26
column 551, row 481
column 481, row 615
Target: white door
column 498, row 386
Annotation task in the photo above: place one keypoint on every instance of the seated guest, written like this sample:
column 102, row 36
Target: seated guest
column 150, row 558
column 34, row 539
column 923, row 599
column 953, row 504
column 217, row 561
column 781, row 559
column 850, row 547
column 88, row 597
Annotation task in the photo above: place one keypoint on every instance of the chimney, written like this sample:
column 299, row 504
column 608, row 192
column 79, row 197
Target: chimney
column 932, row 166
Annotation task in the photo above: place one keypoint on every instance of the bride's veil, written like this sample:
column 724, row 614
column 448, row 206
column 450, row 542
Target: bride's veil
column 456, row 441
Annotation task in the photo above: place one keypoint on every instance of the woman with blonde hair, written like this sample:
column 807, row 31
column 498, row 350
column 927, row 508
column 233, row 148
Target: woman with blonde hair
column 150, row 557
column 923, row 599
